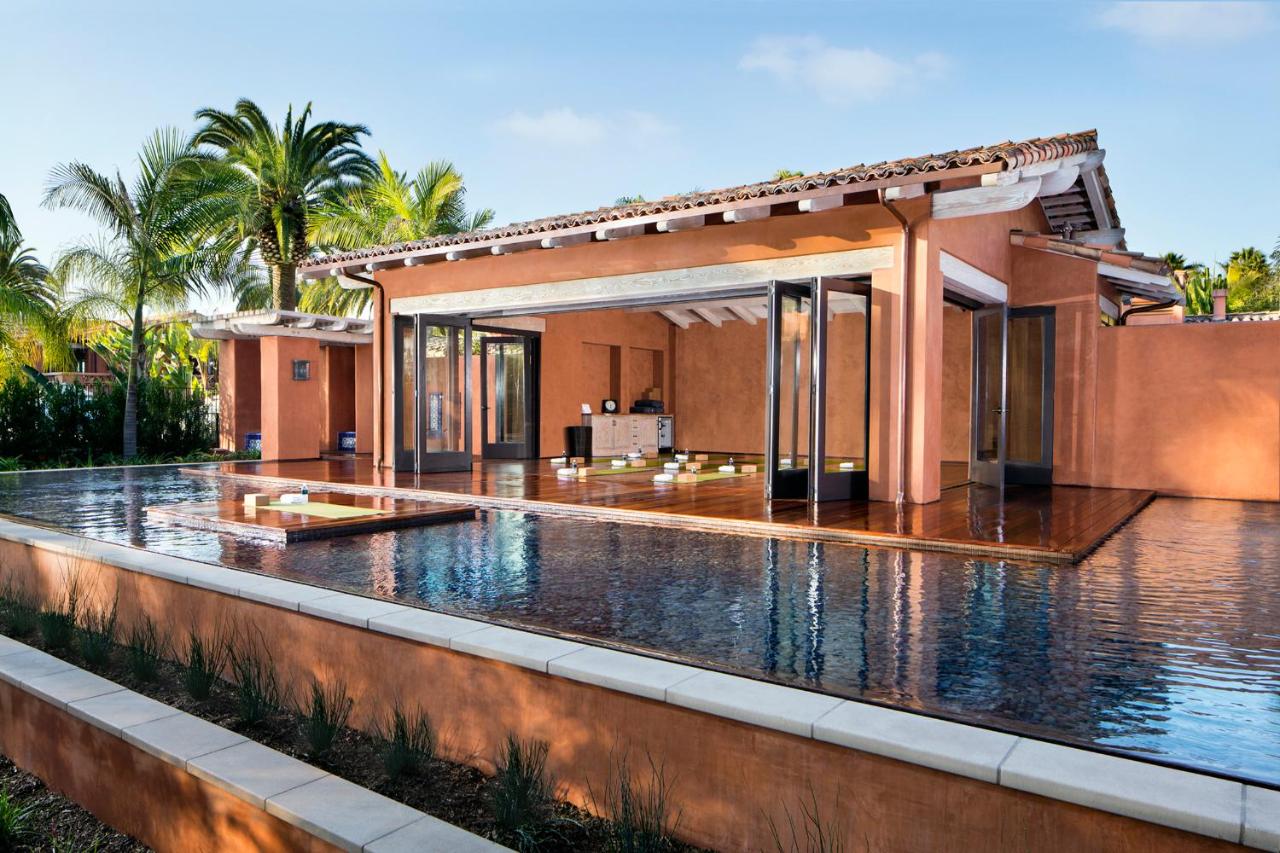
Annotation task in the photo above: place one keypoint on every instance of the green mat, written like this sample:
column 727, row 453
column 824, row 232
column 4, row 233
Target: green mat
column 324, row 510
column 707, row 476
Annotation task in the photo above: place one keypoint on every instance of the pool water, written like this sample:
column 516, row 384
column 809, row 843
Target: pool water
column 1165, row 643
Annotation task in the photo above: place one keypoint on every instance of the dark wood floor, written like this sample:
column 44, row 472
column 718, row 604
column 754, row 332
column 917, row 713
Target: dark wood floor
column 1045, row 523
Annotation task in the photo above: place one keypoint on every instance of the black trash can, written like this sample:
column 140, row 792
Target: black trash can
column 577, row 441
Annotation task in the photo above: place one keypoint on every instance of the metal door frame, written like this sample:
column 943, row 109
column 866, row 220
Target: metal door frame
column 528, row 449
column 982, row 471
column 447, row 460
column 836, row 485
column 1041, row 473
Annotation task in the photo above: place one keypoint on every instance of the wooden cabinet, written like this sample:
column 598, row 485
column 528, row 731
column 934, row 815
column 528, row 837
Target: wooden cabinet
column 616, row 435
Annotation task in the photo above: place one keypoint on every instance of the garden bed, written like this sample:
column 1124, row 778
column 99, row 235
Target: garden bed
column 50, row 821
column 516, row 807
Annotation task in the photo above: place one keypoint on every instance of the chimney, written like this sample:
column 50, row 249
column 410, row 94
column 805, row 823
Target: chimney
column 1219, row 306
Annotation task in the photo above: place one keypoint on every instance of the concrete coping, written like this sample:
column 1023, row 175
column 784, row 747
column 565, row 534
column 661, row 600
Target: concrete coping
column 330, row 808
column 1194, row 802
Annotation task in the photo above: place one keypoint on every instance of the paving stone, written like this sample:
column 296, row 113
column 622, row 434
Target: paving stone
column 23, row 667
column 760, row 703
column 1261, row 818
column 281, row 593
column 629, row 673
column 350, row 609
column 1176, row 798
column 253, row 772
column 431, row 835
column 522, row 648
column 425, row 626
column 116, row 712
column 71, row 686
column 180, row 738
column 341, row 812
column 951, row 747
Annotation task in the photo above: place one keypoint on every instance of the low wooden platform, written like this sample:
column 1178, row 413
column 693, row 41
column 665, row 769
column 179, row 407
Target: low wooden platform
column 284, row 526
column 1058, row 524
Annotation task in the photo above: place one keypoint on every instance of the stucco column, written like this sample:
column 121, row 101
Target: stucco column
column 884, row 430
column 291, row 408
column 364, row 402
column 924, row 372
column 239, row 399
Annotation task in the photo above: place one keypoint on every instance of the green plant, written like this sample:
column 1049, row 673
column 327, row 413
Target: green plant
column 58, row 623
column 258, row 689
column 521, row 794
column 16, row 831
column 410, row 742
column 325, row 716
column 810, row 833
column 204, row 663
column 145, row 648
column 640, row 815
column 20, row 610
column 96, row 634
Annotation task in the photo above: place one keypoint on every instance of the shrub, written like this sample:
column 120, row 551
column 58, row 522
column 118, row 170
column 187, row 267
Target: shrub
column 204, row 664
column 58, row 623
column 145, row 649
column 16, row 830
column 258, row 690
column 19, row 609
column 326, row 714
column 521, row 794
column 96, row 634
column 813, row 834
column 640, row 815
column 410, row 742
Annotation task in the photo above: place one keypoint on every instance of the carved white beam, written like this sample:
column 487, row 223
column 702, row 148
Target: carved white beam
column 512, row 248
column 976, row 201
column 619, row 232
column 821, row 203
column 565, row 240
column 708, row 314
column 1097, row 200
column 420, row 260
column 682, row 223
column 748, row 214
column 743, row 313
column 1101, row 237
column 381, row 265
column 971, row 282
column 463, row 254
column 680, row 318
column 904, row 191
column 1058, row 181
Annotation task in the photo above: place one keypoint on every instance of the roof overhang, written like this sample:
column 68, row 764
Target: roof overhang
column 1128, row 272
column 247, row 325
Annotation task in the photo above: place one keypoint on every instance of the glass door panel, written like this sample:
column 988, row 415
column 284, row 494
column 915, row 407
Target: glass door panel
column 990, row 358
column 508, row 395
column 790, row 389
column 444, row 394
column 404, row 394
column 841, row 388
column 1030, row 395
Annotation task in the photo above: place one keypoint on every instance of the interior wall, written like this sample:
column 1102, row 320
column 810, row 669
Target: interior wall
column 720, row 382
column 957, row 383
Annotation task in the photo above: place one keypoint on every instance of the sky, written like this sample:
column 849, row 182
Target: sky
column 553, row 107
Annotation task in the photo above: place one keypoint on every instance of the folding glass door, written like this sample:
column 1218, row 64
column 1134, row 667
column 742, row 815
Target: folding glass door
column 990, row 364
column 508, row 397
column 432, row 393
column 816, row 429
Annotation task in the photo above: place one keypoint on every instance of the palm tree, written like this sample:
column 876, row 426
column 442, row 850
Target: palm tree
column 388, row 208
column 164, row 242
column 26, row 298
column 1250, row 280
column 285, row 173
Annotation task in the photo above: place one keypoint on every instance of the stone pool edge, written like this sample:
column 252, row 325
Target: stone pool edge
column 1179, row 799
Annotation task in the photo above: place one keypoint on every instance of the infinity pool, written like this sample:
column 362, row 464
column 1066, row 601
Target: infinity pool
column 1165, row 643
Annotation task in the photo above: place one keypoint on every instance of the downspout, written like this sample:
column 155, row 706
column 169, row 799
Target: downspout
column 379, row 314
column 904, row 282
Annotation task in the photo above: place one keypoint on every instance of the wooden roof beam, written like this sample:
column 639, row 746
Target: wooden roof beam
column 682, row 223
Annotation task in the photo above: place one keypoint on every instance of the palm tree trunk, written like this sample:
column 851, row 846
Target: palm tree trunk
column 284, row 288
column 131, row 385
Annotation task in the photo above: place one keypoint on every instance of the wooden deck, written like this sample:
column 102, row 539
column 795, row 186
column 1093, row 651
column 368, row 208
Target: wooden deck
column 282, row 526
column 1040, row 523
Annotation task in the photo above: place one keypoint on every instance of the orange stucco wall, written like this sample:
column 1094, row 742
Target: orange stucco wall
column 337, row 393
column 1190, row 409
column 730, row 779
column 363, row 403
column 239, row 392
column 291, row 410
column 957, row 380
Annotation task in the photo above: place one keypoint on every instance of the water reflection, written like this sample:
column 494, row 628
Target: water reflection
column 1163, row 642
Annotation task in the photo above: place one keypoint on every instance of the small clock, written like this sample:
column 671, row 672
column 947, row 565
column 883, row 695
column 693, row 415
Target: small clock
column 609, row 407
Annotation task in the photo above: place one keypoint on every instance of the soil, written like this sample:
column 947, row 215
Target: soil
column 56, row 823
column 456, row 793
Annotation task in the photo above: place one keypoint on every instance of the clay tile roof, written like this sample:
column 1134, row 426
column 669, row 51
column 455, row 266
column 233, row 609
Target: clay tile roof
column 1013, row 155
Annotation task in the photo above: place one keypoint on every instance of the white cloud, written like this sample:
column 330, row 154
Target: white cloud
column 1184, row 22
column 564, row 127
column 838, row 75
